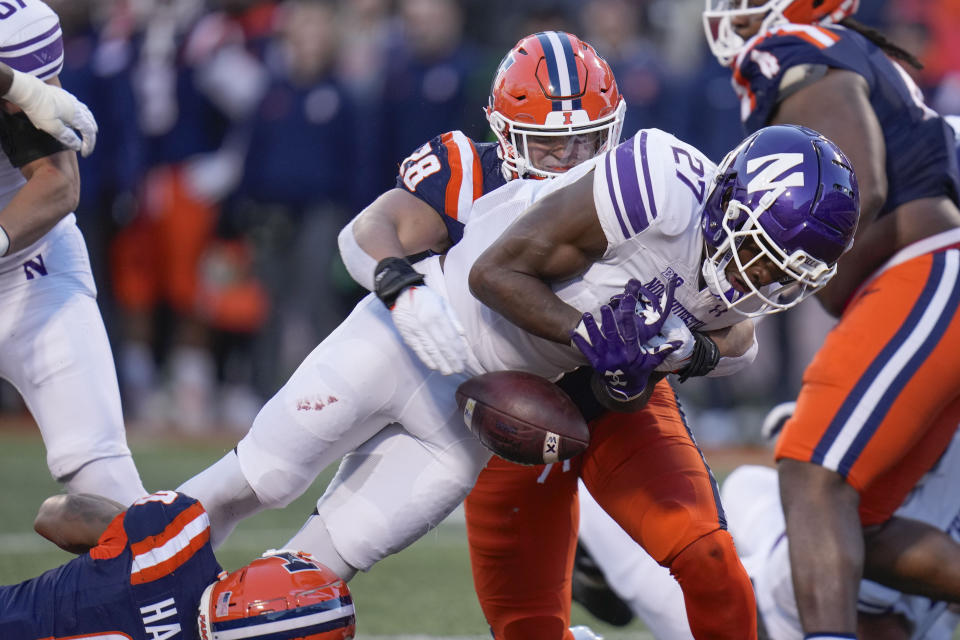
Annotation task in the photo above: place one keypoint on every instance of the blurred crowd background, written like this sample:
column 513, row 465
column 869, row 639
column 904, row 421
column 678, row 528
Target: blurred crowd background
column 238, row 136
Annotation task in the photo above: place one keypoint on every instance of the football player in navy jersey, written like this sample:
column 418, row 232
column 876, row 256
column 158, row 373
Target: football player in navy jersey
column 149, row 573
column 881, row 400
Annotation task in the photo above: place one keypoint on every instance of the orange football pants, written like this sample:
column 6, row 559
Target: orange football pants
column 647, row 472
column 881, row 400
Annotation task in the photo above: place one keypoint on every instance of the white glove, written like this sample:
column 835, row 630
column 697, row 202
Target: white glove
column 55, row 111
column 674, row 330
column 428, row 326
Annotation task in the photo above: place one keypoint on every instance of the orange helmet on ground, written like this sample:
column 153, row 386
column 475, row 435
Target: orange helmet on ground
column 283, row 595
column 553, row 104
column 726, row 44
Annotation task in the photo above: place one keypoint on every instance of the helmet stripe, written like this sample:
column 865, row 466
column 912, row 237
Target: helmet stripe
column 302, row 630
column 289, row 623
column 571, row 63
column 561, row 68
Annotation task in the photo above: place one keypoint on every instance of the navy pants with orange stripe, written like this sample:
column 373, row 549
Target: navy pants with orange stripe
column 881, row 400
column 647, row 472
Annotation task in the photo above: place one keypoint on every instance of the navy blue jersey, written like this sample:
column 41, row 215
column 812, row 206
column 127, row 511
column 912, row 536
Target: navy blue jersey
column 921, row 162
column 449, row 173
column 142, row 581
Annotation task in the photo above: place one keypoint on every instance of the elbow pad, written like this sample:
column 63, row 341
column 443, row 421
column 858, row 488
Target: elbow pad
column 358, row 262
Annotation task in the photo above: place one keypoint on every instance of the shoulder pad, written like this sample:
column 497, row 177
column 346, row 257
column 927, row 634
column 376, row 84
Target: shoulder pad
column 781, row 61
column 653, row 180
column 446, row 173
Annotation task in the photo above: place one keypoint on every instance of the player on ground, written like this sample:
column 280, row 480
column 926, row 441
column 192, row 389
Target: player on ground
column 53, row 345
column 522, row 521
column 881, row 400
column 149, row 573
column 651, row 209
column 751, row 498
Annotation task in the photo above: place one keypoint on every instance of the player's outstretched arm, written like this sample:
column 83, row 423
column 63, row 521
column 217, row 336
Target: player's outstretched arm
column 556, row 239
column 75, row 521
column 50, row 109
column 395, row 225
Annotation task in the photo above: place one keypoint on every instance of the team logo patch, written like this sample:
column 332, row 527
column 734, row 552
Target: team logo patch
column 223, row 603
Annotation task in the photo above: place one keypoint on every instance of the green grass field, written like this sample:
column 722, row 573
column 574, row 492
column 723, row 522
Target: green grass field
column 424, row 592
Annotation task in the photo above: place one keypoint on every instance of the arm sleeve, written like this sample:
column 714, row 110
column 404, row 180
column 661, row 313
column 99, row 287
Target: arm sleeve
column 358, row 262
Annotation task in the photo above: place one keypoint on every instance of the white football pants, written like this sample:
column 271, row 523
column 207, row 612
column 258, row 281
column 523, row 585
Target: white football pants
column 54, row 350
column 358, row 381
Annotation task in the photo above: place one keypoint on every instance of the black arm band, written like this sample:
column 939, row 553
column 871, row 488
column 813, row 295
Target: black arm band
column 704, row 358
column 22, row 142
column 392, row 276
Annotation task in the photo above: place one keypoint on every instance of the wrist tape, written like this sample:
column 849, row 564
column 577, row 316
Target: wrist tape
column 704, row 358
column 391, row 277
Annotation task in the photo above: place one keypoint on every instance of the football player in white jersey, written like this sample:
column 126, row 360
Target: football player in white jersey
column 711, row 246
column 751, row 497
column 53, row 345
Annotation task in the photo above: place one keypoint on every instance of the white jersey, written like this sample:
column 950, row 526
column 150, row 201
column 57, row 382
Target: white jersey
column 649, row 194
column 31, row 42
column 751, row 497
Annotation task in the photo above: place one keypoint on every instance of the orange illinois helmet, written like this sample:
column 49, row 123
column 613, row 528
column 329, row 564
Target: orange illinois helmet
column 553, row 104
column 726, row 44
column 285, row 595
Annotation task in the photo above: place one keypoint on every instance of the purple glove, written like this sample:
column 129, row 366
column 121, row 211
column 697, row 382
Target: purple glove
column 619, row 349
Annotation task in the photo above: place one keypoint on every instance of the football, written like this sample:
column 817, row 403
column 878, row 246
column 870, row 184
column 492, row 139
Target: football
column 523, row 417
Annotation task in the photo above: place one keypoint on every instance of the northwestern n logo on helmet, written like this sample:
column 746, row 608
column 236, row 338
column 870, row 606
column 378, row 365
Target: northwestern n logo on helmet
column 771, row 177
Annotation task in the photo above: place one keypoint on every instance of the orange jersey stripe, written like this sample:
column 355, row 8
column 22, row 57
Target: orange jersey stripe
column 112, row 541
column 452, row 198
column 744, row 84
column 168, row 566
column 171, row 531
column 477, row 173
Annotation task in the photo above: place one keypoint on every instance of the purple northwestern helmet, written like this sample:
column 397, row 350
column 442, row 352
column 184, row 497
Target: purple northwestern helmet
column 793, row 194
